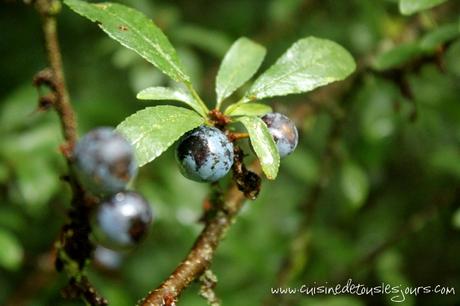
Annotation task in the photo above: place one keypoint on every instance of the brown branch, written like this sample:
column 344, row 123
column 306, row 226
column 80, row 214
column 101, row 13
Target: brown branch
column 201, row 254
column 47, row 10
column 74, row 247
column 199, row 258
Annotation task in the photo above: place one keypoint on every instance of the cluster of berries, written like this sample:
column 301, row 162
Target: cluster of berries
column 105, row 164
column 205, row 154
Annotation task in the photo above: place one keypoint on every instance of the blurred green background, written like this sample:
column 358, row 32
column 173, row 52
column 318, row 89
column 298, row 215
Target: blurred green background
column 385, row 181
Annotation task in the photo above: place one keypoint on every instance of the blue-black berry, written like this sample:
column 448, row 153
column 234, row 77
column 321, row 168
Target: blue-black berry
column 104, row 161
column 121, row 221
column 284, row 132
column 205, row 154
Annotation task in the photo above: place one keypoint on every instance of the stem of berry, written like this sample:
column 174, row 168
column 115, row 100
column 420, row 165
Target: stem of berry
column 237, row 136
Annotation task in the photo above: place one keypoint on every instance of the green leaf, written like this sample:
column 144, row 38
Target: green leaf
column 248, row 109
column 153, row 129
column 135, row 31
column 11, row 253
column 263, row 144
column 408, row 7
column 309, row 63
column 355, row 185
column 175, row 94
column 241, row 62
column 437, row 37
column 396, row 56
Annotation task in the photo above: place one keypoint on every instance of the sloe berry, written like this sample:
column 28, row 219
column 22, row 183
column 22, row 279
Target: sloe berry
column 284, row 132
column 205, row 154
column 121, row 221
column 104, row 161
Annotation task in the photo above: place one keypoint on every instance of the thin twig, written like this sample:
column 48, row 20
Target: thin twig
column 47, row 10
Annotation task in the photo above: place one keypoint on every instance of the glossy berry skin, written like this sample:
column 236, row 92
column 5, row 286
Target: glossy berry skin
column 284, row 132
column 121, row 221
column 205, row 154
column 104, row 161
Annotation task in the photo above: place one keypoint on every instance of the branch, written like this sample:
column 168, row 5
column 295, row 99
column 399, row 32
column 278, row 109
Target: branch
column 47, row 10
column 217, row 221
column 74, row 248
column 201, row 254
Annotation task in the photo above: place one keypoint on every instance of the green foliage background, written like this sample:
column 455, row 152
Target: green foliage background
column 386, row 168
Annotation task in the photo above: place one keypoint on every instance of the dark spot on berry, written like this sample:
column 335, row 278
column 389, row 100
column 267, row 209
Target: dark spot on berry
column 204, row 154
column 104, row 161
column 137, row 229
column 121, row 168
column 121, row 221
column 195, row 147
